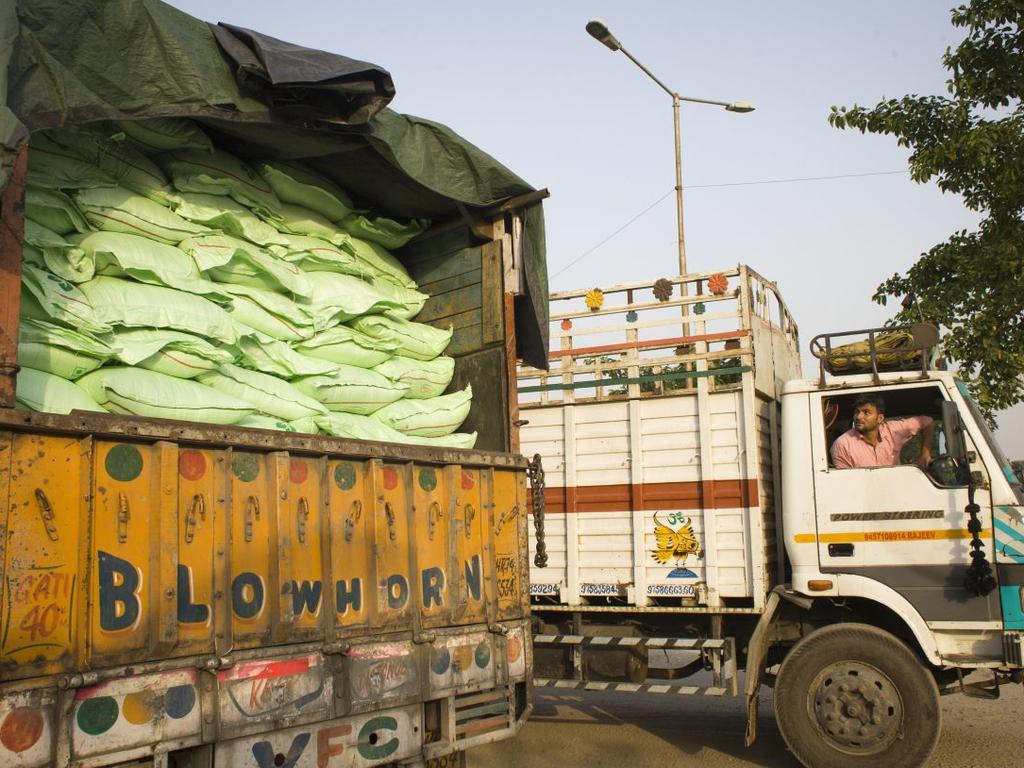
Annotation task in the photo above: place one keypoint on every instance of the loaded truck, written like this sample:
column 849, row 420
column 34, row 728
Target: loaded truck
column 692, row 520
column 180, row 593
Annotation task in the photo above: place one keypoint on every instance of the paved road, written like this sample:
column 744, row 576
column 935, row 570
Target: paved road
column 657, row 731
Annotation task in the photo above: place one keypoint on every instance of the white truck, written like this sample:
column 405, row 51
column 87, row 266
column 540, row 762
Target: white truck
column 690, row 518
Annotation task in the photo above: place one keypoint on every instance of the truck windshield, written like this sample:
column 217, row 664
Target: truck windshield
column 979, row 419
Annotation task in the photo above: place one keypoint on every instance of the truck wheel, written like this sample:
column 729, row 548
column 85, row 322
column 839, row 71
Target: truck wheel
column 851, row 696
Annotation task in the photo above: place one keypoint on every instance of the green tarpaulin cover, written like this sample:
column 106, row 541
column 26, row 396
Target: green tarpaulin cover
column 67, row 62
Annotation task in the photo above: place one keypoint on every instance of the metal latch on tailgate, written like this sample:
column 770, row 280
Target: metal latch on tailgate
column 535, row 471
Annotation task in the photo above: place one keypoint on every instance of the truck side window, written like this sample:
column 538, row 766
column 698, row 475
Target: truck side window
column 880, row 428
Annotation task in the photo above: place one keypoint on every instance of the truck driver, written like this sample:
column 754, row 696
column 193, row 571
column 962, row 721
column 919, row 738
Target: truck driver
column 875, row 442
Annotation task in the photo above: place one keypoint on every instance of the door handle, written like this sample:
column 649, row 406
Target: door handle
column 840, row 550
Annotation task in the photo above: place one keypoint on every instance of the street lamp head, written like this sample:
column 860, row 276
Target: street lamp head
column 739, row 106
column 598, row 30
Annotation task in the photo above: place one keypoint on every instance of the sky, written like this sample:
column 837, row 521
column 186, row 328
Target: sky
column 524, row 82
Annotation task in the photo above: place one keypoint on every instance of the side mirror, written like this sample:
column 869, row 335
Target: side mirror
column 953, row 431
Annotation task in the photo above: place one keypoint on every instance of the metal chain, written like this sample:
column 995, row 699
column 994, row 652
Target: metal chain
column 536, row 474
column 979, row 579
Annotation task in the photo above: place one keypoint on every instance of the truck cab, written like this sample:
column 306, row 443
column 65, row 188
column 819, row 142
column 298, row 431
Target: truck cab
column 921, row 554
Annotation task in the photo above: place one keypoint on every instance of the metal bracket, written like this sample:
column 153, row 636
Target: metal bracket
column 389, row 513
column 252, row 512
column 303, row 518
column 434, row 514
column 469, row 517
column 46, row 512
column 355, row 512
column 123, row 516
column 198, row 505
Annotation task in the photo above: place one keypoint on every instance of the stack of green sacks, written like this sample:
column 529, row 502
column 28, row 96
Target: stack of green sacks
column 164, row 277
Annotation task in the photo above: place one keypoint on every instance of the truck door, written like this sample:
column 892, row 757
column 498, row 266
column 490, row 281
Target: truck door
column 901, row 526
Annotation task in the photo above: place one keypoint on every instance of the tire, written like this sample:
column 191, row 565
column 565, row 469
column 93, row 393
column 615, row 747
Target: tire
column 864, row 680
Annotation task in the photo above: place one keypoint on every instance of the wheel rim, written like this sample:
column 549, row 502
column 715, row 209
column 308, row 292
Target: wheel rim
column 857, row 707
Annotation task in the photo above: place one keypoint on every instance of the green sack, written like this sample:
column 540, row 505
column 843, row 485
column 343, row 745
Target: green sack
column 297, row 184
column 296, row 220
column 57, row 254
column 259, row 421
column 315, row 255
column 353, row 390
column 306, row 425
column 231, row 260
column 224, row 214
column 387, row 233
column 337, row 298
column 355, row 427
column 161, row 134
column 173, row 353
column 120, row 210
column 425, row 378
column 108, row 149
column 55, row 167
column 137, row 392
column 219, row 173
column 434, row 417
column 44, row 392
column 46, row 296
column 54, row 210
column 343, row 344
column 260, row 352
column 462, row 440
column 267, row 393
column 61, row 351
column 375, row 258
column 277, row 316
column 411, row 301
column 116, row 254
column 415, row 340
column 138, row 305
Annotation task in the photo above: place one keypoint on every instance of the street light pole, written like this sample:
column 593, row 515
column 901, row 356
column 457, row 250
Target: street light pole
column 600, row 32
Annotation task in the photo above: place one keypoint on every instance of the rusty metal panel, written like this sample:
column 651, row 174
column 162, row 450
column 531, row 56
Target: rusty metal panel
column 353, row 742
column 29, row 724
column 461, row 661
column 350, row 494
column 136, row 712
column 202, row 508
column 431, row 525
column 252, row 585
column 470, row 531
column 300, row 550
column 44, row 565
column 133, row 585
column 254, row 694
column 510, row 578
column 392, row 542
column 379, row 674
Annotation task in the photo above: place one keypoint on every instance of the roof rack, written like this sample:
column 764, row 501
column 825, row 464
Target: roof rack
column 896, row 348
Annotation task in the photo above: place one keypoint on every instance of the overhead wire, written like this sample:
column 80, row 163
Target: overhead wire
column 650, row 207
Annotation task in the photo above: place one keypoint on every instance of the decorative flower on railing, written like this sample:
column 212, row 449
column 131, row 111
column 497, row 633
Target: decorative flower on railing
column 567, row 325
column 698, row 308
column 662, row 290
column 631, row 316
column 594, row 299
column 718, row 284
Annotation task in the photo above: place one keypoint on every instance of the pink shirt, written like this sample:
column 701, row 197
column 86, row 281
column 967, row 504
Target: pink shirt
column 851, row 450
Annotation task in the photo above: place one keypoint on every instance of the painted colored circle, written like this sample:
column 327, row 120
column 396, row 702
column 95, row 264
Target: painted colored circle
column 298, row 471
column 123, row 462
column 246, row 468
column 191, row 465
column 179, row 700
column 96, row 716
column 514, row 649
column 440, row 661
column 482, row 657
column 345, row 476
column 138, row 707
column 428, row 479
column 21, row 729
column 390, row 478
column 467, row 481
